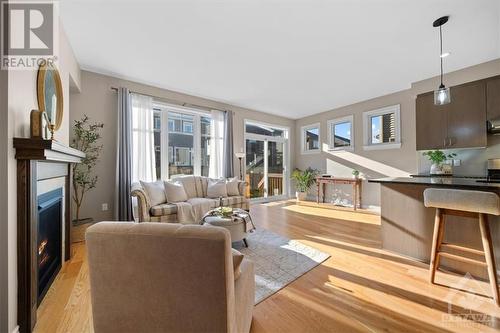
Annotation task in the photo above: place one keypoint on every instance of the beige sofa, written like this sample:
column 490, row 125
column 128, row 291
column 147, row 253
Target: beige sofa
column 195, row 187
column 162, row 277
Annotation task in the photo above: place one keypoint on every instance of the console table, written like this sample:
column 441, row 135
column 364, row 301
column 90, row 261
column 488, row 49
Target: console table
column 356, row 187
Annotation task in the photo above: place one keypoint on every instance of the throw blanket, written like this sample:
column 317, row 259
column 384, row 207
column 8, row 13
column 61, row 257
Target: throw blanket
column 188, row 213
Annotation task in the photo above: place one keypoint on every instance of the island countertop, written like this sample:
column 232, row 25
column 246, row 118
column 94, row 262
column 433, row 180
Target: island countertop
column 407, row 225
column 455, row 182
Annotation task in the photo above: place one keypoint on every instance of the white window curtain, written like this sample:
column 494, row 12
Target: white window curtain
column 216, row 168
column 143, row 154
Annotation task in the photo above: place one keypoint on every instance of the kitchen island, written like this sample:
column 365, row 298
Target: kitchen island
column 407, row 225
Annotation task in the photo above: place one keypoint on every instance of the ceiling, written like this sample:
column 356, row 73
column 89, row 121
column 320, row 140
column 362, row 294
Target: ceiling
column 291, row 58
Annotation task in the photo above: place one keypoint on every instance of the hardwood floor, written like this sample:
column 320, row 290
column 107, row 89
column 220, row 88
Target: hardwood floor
column 361, row 288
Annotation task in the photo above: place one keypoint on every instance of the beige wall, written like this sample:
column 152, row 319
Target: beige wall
column 393, row 162
column 99, row 102
column 21, row 100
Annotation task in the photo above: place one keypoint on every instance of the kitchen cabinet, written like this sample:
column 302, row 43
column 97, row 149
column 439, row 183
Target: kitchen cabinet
column 459, row 124
column 493, row 98
column 431, row 123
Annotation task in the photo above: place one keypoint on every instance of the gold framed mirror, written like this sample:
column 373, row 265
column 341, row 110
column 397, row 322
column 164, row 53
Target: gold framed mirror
column 50, row 94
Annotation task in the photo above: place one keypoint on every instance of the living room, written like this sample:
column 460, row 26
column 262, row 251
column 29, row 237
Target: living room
column 261, row 166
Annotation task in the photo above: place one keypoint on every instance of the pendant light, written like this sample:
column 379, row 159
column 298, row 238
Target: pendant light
column 442, row 94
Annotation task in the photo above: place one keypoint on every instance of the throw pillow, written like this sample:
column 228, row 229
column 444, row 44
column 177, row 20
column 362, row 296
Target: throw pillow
column 237, row 259
column 232, row 186
column 155, row 191
column 216, row 188
column 175, row 192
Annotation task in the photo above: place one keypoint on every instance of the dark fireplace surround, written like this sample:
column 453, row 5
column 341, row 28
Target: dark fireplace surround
column 39, row 220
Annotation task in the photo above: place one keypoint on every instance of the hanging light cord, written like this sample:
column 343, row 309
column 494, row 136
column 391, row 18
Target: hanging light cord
column 441, row 54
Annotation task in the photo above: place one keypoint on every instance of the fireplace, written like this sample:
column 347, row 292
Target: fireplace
column 49, row 239
column 42, row 165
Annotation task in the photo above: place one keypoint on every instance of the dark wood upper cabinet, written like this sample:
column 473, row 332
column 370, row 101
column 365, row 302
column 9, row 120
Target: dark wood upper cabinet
column 493, row 98
column 431, row 123
column 461, row 123
column 467, row 116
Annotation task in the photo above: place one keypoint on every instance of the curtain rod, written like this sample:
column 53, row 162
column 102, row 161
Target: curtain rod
column 172, row 101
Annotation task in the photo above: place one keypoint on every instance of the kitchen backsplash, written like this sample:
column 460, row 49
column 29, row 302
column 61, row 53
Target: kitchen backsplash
column 472, row 161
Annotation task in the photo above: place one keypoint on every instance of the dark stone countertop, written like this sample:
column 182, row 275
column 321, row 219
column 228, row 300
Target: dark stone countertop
column 439, row 181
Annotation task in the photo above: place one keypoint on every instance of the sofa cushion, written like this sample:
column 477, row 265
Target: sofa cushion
column 191, row 186
column 155, row 191
column 198, row 201
column 232, row 186
column 175, row 192
column 216, row 188
column 233, row 200
column 163, row 209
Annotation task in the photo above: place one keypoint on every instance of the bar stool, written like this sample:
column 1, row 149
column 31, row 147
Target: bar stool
column 475, row 204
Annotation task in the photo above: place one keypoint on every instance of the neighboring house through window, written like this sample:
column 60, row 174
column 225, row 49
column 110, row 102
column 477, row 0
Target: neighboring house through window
column 311, row 139
column 382, row 128
column 340, row 133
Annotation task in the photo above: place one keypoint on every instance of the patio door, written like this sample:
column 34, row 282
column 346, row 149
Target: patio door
column 266, row 161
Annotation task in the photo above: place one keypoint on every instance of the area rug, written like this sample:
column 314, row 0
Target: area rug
column 278, row 261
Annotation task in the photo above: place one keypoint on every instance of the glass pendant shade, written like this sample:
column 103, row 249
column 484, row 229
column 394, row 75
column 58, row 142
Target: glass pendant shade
column 442, row 96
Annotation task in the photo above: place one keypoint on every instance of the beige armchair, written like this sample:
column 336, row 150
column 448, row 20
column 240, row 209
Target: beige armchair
column 162, row 277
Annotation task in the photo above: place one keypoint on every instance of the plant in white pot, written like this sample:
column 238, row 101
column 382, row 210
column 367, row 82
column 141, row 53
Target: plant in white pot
column 438, row 157
column 303, row 181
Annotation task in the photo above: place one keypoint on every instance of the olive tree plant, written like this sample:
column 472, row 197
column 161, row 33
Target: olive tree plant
column 86, row 137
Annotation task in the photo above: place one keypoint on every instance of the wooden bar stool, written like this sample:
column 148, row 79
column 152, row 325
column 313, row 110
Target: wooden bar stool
column 475, row 204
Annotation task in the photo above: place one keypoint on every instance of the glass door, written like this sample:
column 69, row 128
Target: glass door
column 255, row 165
column 264, row 168
column 275, row 168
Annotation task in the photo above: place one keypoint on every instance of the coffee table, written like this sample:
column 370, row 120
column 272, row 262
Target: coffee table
column 239, row 223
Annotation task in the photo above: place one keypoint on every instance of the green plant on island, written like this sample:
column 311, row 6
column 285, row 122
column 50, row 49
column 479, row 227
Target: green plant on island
column 438, row 156
column 86, row 136
column 355, row 173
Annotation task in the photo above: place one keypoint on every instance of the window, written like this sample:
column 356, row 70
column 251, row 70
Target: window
column 182, row 146
column 261, row 129
column 382, row 128
column 340, row 133
column 311, row 139
column 187, row 127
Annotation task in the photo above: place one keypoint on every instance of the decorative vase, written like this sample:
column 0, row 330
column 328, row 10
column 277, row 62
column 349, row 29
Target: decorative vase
column 301, row 196
column 437, row 169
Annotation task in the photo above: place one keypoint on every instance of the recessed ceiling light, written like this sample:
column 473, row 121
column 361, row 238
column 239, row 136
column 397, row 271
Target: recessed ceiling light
column 445, row 54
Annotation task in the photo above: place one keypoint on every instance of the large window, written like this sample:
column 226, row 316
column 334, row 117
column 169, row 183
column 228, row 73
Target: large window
column 182, row 142
column 382, row 128
column 340, row 133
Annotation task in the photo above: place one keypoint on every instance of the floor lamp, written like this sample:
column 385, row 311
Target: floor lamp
column 240, row 157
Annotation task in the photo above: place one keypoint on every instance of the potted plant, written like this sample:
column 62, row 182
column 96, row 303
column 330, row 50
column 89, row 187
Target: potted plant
column 303, row 181
column 437, row 157
column 355, row 174
column 86, row 139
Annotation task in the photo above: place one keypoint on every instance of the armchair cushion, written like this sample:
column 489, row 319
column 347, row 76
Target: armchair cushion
column 155, row 191
column 237, row 259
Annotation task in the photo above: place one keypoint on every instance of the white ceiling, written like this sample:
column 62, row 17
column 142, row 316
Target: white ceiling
column 292, row 58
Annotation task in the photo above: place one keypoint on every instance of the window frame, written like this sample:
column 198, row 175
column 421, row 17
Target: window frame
column 331, row 135
column 166, row 152
column 367, row 133
column 303, row 130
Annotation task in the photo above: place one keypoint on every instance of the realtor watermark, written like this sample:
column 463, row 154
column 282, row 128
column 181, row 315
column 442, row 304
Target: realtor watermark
column 29, row 34
column 472, row 316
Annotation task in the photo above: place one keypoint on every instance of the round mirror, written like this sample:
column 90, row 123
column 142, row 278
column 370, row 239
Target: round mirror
column 50, row 94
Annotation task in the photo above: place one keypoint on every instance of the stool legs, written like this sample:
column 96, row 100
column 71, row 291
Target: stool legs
column 488, row 253
column 437, row 239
